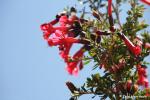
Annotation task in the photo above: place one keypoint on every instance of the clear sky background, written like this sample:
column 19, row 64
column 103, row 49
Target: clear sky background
column 29, row 69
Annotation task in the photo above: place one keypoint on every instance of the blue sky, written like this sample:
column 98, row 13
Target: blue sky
column 29, row 69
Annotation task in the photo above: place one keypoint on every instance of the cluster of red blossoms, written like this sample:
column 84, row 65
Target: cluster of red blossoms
column 64, row 37
column 142, row 76
column 136, row 50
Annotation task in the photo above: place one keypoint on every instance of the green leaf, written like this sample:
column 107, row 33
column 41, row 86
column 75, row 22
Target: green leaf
column 87, row 62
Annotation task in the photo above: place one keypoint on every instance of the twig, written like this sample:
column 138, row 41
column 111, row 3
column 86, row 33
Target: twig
column 117, row 14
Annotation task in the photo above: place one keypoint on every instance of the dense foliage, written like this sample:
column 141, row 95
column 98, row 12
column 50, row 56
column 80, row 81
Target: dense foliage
column 116, row 48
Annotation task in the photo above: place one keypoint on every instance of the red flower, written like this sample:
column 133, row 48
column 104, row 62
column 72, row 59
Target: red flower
column 63, row 21
column 64, row 29
column 142, row 71
column 146, row 1
column 74, row 66
column 54, row 42
column 55, row 38
column 136, row 50
column 109, row 7
column 47, row 29
column 143, row 81
column 61, row 41
column 142, row 76
column 65, row 52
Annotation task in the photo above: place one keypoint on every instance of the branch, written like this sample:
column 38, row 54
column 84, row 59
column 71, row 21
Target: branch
column 116, row 10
